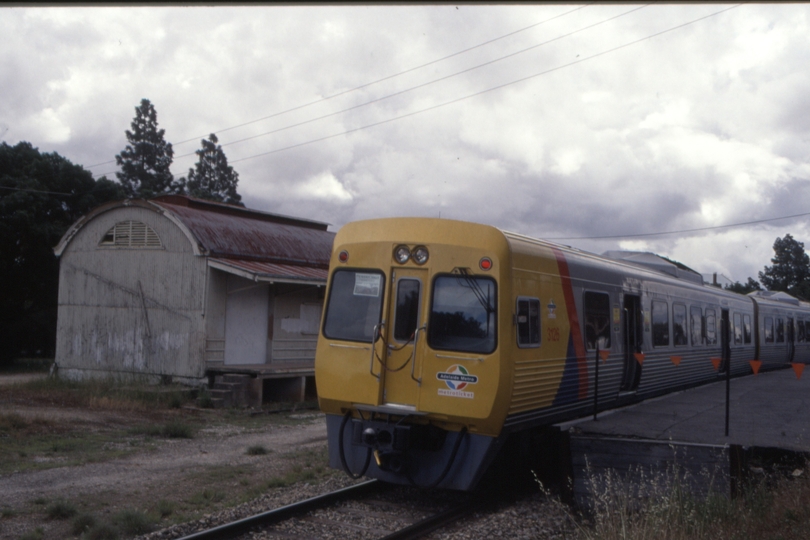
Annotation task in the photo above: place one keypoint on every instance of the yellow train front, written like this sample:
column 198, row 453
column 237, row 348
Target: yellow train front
column 444, row 344
column 411, row 367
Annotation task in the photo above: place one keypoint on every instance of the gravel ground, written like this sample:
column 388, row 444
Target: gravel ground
column 177, row 468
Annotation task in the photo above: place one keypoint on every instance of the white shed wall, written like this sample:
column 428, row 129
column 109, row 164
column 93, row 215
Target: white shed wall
column 131, row 311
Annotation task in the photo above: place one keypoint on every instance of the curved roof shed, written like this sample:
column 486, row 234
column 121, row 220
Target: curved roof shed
column 160, row 286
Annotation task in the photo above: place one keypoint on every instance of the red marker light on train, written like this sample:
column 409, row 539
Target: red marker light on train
column 485, row 263
column 343, row 256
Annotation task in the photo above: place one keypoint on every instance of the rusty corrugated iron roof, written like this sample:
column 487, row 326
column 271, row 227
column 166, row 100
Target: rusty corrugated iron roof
column 231, row 232
column 271, row 272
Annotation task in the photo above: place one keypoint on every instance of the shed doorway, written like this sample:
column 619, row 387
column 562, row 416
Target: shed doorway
column 246, row 318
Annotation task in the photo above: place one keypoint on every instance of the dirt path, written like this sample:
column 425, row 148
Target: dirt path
column 171, row 460
column 214, row 463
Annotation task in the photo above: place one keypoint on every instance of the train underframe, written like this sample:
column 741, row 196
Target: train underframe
column 409, row 454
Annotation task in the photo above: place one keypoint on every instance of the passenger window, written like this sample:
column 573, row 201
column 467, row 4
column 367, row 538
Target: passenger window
column 711, row 327
column 696, row 314
column 780, row 330
column 679, row 324
column 800, row 337
column 737, row 329
column 528, row 322
column 660, row 322
column 747, row 329
column 407, row 312
column 768, row 329
column 597, row 321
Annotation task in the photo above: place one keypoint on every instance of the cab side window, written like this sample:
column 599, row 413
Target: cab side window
column 597, row 321
column 696, row 316
column 679, row 324
column 528, row 322
column 660, row 324
column 711, row 327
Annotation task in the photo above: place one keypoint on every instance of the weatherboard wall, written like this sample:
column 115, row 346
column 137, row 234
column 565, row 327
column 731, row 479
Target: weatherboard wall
column 131, row 311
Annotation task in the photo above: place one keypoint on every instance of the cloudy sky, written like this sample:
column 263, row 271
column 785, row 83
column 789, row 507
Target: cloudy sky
column 563, row 122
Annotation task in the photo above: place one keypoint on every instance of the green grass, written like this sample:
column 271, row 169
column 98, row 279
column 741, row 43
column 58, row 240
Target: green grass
column 61, row 510
column 660, row 507
column 82, row 523
column 107, row 393
column 39, row 451
column 174, row 429
column 36, row 534
column 133, row 522
column 27, row 365
column 207, row 497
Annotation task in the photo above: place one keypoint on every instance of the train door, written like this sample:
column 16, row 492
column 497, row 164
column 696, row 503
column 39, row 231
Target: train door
column 791, row 340
column 633, row 340
column 404, row 331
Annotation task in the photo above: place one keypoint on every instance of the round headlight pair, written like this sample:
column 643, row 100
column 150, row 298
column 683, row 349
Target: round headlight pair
column 403, row 253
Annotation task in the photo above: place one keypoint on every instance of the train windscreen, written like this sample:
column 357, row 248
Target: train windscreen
column 463, row 314
column 355, row 304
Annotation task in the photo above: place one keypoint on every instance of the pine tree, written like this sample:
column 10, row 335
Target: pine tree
column 212, row 178
column 791, row 266
column 146, row 160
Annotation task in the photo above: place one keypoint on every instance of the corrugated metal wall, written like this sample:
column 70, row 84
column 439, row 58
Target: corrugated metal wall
column 130, row 311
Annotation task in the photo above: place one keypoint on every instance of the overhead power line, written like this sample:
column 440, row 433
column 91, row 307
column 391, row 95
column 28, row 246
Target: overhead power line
column 35, row 191
column 366, row 85
column 434, row 81
column 683, row 231
column 481, row 92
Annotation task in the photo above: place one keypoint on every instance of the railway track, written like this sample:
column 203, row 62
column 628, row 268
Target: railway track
column 370, row 510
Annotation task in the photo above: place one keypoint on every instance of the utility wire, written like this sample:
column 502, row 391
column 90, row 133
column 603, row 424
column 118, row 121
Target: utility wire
column 366, row 85
column 701, row 229
column 475, row 94
column 423, row 85
column 36, row 191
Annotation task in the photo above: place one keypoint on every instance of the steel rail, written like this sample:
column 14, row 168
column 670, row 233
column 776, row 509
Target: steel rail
column 229, row 530
column 437, row 521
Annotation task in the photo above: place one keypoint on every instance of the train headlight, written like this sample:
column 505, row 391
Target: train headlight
column 402, row 254
column 343, row 256
column 420, row 254
column 485, row 263
column 370, row 436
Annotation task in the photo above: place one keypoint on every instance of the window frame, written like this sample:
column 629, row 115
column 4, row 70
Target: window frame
column 531, row 344
column 588, row 310
column 147, row 238
column 431, row 327
column 330, row 306
column 663, row 307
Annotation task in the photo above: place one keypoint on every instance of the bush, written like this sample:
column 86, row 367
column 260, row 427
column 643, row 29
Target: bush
column 133, row 522
column 177, row 430
column 83, row 523
column 61, row 510
column 102, row 531
column 257, row 450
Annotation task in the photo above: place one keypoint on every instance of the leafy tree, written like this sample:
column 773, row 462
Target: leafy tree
column 41, row 195
column 212, row 178
column 146, row 160
column 791, row 266
column 744, row 288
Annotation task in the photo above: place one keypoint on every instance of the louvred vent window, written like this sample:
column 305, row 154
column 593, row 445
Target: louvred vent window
column 131, row 234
